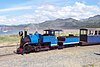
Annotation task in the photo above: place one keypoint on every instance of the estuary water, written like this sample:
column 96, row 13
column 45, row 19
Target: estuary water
column 9, row 32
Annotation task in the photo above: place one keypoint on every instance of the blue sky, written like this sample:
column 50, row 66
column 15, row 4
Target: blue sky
column 15, row 12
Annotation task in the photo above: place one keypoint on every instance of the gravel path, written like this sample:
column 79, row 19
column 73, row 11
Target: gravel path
column 87, row 56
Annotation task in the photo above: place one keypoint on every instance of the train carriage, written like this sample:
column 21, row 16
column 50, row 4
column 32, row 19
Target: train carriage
column 89, row 36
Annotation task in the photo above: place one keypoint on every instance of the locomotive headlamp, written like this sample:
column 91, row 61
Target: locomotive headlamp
column 21, row 33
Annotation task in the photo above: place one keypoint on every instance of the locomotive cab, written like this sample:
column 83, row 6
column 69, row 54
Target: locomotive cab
column 50, row 36
column 49, row 32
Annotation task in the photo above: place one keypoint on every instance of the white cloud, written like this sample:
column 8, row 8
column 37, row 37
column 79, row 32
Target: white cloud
column 16, row 8
column 15, row 20
column 51, row 12
column 77, row 11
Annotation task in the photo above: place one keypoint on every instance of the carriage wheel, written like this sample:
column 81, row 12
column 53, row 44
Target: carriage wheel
column 27, row 49
column 37, row 49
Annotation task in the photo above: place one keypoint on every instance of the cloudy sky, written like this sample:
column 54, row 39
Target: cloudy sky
column 15, row 12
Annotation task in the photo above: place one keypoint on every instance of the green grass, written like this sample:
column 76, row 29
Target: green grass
column 9, row 38
column 67, row 33
column 89, row 65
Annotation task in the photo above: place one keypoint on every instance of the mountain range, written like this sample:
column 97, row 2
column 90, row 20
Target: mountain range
column 91, row 22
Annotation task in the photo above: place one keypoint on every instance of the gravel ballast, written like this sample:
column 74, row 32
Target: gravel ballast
column 86, row 56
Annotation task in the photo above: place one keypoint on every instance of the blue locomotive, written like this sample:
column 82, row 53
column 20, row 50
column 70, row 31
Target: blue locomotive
column 38, row 42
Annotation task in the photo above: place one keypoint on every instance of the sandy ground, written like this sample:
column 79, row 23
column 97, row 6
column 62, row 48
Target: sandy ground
column 88, row 56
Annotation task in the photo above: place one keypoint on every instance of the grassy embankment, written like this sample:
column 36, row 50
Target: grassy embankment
column 67, row 33
column 9, row 39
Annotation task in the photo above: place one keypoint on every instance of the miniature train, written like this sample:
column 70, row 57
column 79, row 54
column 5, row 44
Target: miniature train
column 37, row 42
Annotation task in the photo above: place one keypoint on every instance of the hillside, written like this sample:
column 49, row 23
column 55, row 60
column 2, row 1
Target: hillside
column 13, row 27
column 60, row 24
column 92, row 22
column 72, row 23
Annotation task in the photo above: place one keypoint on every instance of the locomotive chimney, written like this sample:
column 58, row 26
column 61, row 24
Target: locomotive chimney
column 25, row 33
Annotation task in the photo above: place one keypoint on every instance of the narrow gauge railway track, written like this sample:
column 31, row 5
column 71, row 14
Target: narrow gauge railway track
column 3, row 55
column 14, row 53
column 8, row 46
column 7, row 54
